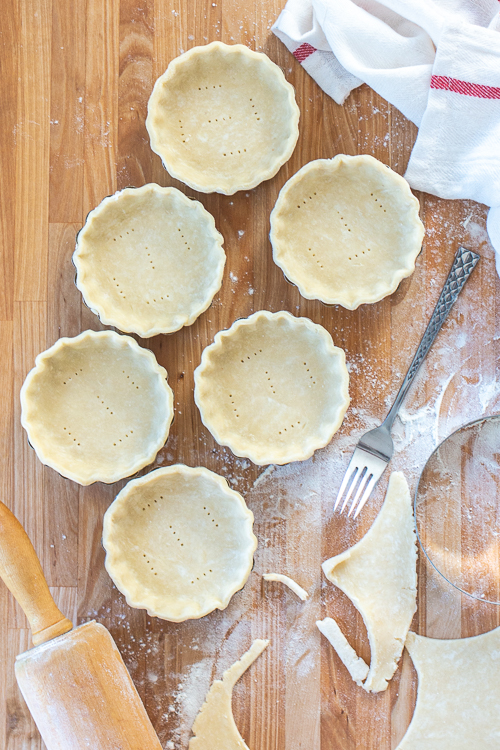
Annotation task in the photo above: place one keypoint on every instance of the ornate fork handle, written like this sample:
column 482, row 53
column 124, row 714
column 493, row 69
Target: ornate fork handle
column 463, row 265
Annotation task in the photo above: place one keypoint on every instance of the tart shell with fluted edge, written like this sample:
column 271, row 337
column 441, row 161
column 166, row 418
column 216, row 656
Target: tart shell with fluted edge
column 149, row 260
column 346, row 230
column 96, row 407
column 179, row 542
column 273, row 388
column 223, row 118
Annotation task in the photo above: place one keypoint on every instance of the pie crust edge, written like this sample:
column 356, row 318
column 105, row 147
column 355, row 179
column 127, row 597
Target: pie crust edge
column 228, row 187
column 277, row 244
column 240, row 447
column 40, row 366
column 108, row 316
column 113, row 554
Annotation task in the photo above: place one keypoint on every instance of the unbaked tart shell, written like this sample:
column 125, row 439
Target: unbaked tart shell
column 149, row 260
column 96, row 407
column 346, row 230
column 179, row 542
column 273, row 388
column 223, row 118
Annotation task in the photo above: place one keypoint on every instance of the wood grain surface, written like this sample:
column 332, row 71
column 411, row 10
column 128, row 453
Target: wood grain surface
column 76, row 77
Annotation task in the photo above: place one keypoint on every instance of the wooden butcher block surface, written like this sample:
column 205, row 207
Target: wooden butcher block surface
column 76, row 77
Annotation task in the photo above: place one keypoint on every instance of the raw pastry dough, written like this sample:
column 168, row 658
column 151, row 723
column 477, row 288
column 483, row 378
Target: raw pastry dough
column 223, row 118
column 346, row 230
column 273, row 388
column 96, row 407
column 149, row 260
column 355, row 665
column 179, row 542
column 379, row 575
column 458, row 693
column 214, row 727
column 301, row 593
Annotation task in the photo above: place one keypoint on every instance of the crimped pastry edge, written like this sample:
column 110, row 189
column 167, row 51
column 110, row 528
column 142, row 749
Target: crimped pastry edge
column 225, row 187
column 106, row 315
column 239, row 447
column 277, row 222
column 112, row 551
column 40, row 366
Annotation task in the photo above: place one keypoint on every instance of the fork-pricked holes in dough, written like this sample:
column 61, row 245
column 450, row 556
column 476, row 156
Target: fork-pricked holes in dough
column 106, row 411
column 177, row 536
column 212, row 121
column 179, row 542
column 318, row 253
column 377, row 201
column 344, row 221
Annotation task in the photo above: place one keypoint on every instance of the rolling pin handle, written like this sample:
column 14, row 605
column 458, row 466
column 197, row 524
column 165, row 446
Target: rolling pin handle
column 22, row 573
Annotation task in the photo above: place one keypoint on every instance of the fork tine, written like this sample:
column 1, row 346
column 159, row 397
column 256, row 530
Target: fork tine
column 355, row 479
column 368, row 491
column 350, row 472
column 361, row 488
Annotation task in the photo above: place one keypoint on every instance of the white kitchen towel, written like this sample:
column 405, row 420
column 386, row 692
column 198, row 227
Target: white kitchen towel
column 457, row 151
column 436, row 61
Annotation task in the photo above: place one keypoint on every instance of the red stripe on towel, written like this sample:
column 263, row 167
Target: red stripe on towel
column 465, row 87
column 303, row 52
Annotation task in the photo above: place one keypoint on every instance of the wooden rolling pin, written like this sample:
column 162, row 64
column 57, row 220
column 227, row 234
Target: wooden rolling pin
column 74, row 681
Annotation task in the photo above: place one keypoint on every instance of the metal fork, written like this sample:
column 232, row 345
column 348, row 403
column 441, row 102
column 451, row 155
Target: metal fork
column 374, row 450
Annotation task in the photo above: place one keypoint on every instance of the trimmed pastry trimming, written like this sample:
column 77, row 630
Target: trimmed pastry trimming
column 96, row 407
column 149, row 260
column 379, row 575
column 179, row 542
column 273, row 387
column 346, row 230
column 292, row 585
column 222, row 118
column 214, row 727
column 458, row 693
column 355, row 665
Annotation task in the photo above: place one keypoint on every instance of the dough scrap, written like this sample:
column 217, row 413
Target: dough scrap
column 96, row 407
column 149, row 260
column 179, row 542
column 346, row 230
column 355, row 665
column 379, row 576
column 222, row 118
column 214, row 728
column 273, row 388
column 293, row 585
column 458, row 693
